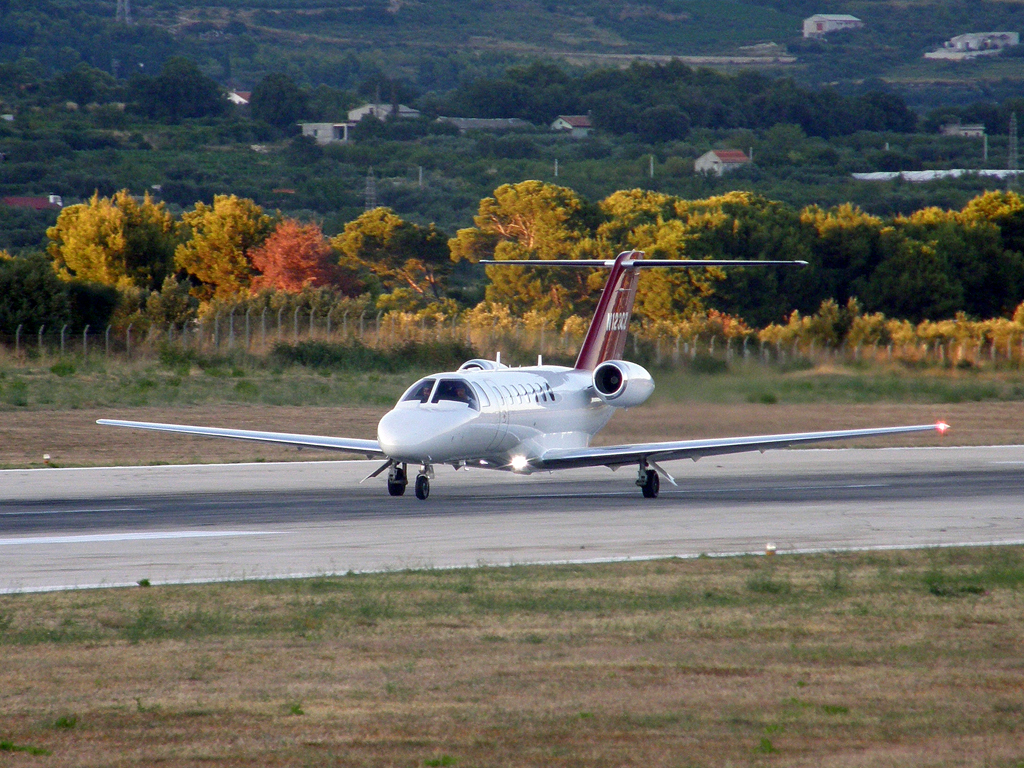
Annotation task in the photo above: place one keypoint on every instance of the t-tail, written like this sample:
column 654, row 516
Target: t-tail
column 606, row 336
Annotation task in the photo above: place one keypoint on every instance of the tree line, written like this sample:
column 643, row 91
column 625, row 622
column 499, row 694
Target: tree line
column 124, row 259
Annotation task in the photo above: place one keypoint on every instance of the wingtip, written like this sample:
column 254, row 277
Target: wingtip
column 941, row 427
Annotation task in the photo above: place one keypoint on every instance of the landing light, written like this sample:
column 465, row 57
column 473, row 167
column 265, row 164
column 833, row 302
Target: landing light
column 519, row 463
column 942, row 427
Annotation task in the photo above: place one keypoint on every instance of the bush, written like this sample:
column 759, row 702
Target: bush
column 355, row 356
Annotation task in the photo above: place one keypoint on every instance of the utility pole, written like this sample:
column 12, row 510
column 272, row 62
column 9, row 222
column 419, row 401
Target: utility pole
column 370, row 192
column 124, row 11
column 1011, row 160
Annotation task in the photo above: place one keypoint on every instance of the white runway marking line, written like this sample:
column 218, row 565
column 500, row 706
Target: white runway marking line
column 90, row 538
column 72, row 511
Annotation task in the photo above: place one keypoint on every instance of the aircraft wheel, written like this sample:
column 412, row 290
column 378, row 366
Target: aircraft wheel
column 422, row 487
column 397, row 483
column 651, row 485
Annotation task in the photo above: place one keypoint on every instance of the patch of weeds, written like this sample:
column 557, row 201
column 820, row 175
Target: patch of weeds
column 9, row 746
column 533, row 639
column 246, row 389
column 295, row 709
column 764, row 398
column 492, row 639
column 143, row 582
column 16, row 393
column 62, row 368
column 65, row 722
column 148, row 624
column 940, row 584
column 765, row 747
column 432, row 762
column 237, row 373
column 764, row 584
column 835, row 709
column 708, row 365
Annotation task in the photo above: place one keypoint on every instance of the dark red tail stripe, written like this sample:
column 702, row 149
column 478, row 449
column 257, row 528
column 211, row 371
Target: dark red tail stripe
column 606, row 337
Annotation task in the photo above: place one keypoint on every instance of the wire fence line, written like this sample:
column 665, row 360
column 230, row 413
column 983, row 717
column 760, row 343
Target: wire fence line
column 257, row 334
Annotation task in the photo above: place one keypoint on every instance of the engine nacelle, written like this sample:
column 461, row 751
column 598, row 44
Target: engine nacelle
column 622, row 384
column 481, row 365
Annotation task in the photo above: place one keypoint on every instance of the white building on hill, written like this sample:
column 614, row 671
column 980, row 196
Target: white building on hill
column 821, row 24
column 974, row 44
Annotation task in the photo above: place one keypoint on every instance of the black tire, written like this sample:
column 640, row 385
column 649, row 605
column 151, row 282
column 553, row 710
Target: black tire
column 422, row 487
column 651, row 485
column 397, row 486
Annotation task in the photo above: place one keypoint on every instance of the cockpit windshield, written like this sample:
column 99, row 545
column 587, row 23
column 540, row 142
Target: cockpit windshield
column 457, row 390
column 419, row 392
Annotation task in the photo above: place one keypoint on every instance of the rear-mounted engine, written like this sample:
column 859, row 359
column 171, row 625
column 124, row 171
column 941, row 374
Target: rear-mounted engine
column 622, row 384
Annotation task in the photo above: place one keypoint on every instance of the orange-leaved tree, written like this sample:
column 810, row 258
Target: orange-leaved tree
column 295, row 256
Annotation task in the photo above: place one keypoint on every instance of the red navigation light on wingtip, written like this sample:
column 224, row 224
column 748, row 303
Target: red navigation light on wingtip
column 941, row 427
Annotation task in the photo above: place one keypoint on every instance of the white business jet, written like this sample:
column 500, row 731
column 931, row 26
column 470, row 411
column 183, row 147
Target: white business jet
column 537, row 418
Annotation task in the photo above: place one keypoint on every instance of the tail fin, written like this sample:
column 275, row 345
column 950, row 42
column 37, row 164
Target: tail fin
column 606, row 337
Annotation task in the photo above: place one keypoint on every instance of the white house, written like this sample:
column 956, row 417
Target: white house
column 380, row 111
column 971, row 131
column 718, row 161
column 974, row 44
column 327, row 133
column 821, row 24
column 241, row 98
column 578, row 126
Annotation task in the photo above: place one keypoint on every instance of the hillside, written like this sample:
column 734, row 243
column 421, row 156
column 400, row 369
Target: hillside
column 434, row 46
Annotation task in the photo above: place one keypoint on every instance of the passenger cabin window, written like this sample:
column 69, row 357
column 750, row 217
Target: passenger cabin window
column 457, row 390
column 419, row 392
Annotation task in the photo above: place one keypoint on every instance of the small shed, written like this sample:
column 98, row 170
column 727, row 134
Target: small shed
column 821, row 24
column 578, row 126
column 327, row 133
column 719, row 161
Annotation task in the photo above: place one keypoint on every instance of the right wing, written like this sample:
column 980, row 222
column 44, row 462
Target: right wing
column 617, row 455
column 369, row 448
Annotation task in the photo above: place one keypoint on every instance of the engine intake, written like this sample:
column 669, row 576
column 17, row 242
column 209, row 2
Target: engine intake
column 622, row 384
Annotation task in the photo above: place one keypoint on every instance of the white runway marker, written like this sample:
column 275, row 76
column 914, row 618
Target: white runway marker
column 147, row 536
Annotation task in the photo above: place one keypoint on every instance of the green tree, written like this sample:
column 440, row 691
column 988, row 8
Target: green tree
column 181, row 90
column 114, row 241
column 32, row 293
column 409, row 261
column 218, row 252
column 277, row 100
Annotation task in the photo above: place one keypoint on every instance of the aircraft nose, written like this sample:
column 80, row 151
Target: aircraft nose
column 419, row 435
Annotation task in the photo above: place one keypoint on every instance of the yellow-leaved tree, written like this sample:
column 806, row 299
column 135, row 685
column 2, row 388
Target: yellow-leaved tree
column 117, row 241
column 221, row 239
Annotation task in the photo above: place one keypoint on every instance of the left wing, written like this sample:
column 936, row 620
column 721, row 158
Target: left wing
column 617, row 455
column 369, row 448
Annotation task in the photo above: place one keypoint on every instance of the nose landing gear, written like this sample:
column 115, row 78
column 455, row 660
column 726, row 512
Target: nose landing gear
column 423, row 482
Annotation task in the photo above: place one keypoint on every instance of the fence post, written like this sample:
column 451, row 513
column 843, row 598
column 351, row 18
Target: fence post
column 248, row 311
column 329, row 313
column 63, row 328
column 279, row 323
column 376, row 327
column 41, row 329
column 295, row 325
column 311, row 311
column 128, row 341
column 362, row 317
column 231, row 329
column 216, row 332
column 344, row 326
column 17, row 340
column 106, row 342
column 263, row 327
column 85, row 341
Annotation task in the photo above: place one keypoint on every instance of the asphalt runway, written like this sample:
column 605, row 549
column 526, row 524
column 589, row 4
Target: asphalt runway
column 62, row 528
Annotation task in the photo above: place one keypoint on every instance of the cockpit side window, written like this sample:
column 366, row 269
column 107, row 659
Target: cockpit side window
column 481, row 392
column 457, row 390
column 419, row 392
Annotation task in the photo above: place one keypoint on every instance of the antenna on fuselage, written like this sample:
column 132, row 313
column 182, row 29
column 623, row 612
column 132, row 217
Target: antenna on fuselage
column 540, row 360
column 497, row 357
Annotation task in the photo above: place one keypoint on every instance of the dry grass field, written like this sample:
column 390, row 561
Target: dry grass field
column 882, row 659
column 72, row 437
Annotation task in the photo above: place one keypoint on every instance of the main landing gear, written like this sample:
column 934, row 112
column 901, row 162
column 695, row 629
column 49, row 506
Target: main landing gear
column 648, row 481
column 398, row 479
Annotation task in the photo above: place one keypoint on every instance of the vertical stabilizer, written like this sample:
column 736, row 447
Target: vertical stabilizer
column 606, row 337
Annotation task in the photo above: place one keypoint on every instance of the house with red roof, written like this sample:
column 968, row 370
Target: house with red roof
column 51, row 202
column 578, row 126
column 719, row 161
